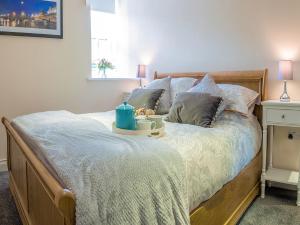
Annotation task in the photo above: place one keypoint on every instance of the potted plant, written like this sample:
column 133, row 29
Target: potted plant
column 103, row 65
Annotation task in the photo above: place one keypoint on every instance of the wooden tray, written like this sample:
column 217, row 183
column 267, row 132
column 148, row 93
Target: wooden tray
column 151, row 133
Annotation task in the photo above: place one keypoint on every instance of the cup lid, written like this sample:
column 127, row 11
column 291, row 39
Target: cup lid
column 125, row 106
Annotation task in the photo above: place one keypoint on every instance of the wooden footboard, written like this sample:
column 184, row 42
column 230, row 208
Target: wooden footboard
column 40, row 199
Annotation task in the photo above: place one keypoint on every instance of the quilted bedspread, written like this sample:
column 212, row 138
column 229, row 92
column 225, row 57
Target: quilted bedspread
column 116, row 179
column 213, row 156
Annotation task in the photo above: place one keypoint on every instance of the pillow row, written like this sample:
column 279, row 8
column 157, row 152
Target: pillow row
column 193, row 108
column 235, row 98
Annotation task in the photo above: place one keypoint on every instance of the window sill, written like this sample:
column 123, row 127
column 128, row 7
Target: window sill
column 111, row 79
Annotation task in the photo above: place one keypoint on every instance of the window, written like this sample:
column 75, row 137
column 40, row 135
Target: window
column 109, row 44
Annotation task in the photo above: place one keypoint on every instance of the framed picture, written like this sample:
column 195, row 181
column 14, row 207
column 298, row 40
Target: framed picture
column 35, row 18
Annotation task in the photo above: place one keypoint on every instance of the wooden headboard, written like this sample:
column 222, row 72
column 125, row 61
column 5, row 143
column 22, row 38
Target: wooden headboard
column 254, row 80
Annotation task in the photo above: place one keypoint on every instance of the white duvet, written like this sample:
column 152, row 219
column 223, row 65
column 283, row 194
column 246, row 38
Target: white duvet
column 114, row 178
column 213, row 156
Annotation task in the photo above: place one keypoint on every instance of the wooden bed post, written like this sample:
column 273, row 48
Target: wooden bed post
column 65, row 202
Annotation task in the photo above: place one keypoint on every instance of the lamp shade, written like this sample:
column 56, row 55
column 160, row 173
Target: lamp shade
column 285, row 70
column 141, row 73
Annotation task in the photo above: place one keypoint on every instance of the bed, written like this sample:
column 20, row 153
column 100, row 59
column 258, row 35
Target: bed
column 39, row 194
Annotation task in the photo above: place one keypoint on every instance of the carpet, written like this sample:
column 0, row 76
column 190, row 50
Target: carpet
column 278, row 208
column 8, row 211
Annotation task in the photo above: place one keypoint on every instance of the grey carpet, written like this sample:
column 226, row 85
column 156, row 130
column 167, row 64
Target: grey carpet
column 278, row 208
column 8, row 211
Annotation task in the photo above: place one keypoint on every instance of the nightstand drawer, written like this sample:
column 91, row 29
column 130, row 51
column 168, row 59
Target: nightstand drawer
column 283, row 116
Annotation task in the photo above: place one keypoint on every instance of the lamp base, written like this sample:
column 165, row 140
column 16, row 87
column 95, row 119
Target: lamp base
column 285, row 97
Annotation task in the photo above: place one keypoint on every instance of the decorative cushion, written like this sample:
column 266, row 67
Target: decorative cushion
column 145, row 98
column 179, row 85
column 242, row 99
column 164, row 104
column 208, row 85
column 194, row 108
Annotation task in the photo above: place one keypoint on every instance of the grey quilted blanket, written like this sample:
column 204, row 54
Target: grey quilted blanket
column 116, row 179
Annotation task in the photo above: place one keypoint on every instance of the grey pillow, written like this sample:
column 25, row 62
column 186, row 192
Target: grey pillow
column 145, row 98
column 194, row 108
column 165, row 101
column 207, row 85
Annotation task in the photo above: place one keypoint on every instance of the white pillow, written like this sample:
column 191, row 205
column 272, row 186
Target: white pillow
column 251, row 109
column 242, row 98
column 164, row 103
column 179, row 85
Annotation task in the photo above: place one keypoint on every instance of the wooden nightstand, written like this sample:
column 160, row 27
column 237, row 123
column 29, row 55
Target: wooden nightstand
column 276, row 113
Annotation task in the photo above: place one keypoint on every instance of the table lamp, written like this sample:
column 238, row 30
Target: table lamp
column 285, row 74
column 141, row 73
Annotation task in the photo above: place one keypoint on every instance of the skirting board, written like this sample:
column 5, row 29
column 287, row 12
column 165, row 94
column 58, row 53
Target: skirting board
column 3, row 165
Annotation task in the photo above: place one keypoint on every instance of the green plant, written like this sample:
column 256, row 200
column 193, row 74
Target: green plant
column 104, row 64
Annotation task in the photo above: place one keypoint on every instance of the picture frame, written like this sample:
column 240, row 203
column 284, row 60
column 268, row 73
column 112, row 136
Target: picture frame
column 33, row 18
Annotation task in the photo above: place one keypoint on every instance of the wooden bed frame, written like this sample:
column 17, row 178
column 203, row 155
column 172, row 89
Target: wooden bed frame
column 42, row 200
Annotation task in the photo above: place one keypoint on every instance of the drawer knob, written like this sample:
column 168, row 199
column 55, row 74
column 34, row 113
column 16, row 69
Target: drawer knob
column 283, row 116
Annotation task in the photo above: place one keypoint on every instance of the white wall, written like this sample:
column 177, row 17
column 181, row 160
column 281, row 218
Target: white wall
column 183, row 35
column 210, row 35
column 207, row 35
column 38, row 74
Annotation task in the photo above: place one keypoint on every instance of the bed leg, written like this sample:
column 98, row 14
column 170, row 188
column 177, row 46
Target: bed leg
column 263, row 187
column 264, row 159
column 298, row 197
column 298, row 191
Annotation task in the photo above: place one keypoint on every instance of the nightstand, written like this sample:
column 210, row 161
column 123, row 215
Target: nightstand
column 276, row 113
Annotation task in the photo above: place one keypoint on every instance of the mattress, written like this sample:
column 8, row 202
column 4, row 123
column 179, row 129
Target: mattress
column 212, row 156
